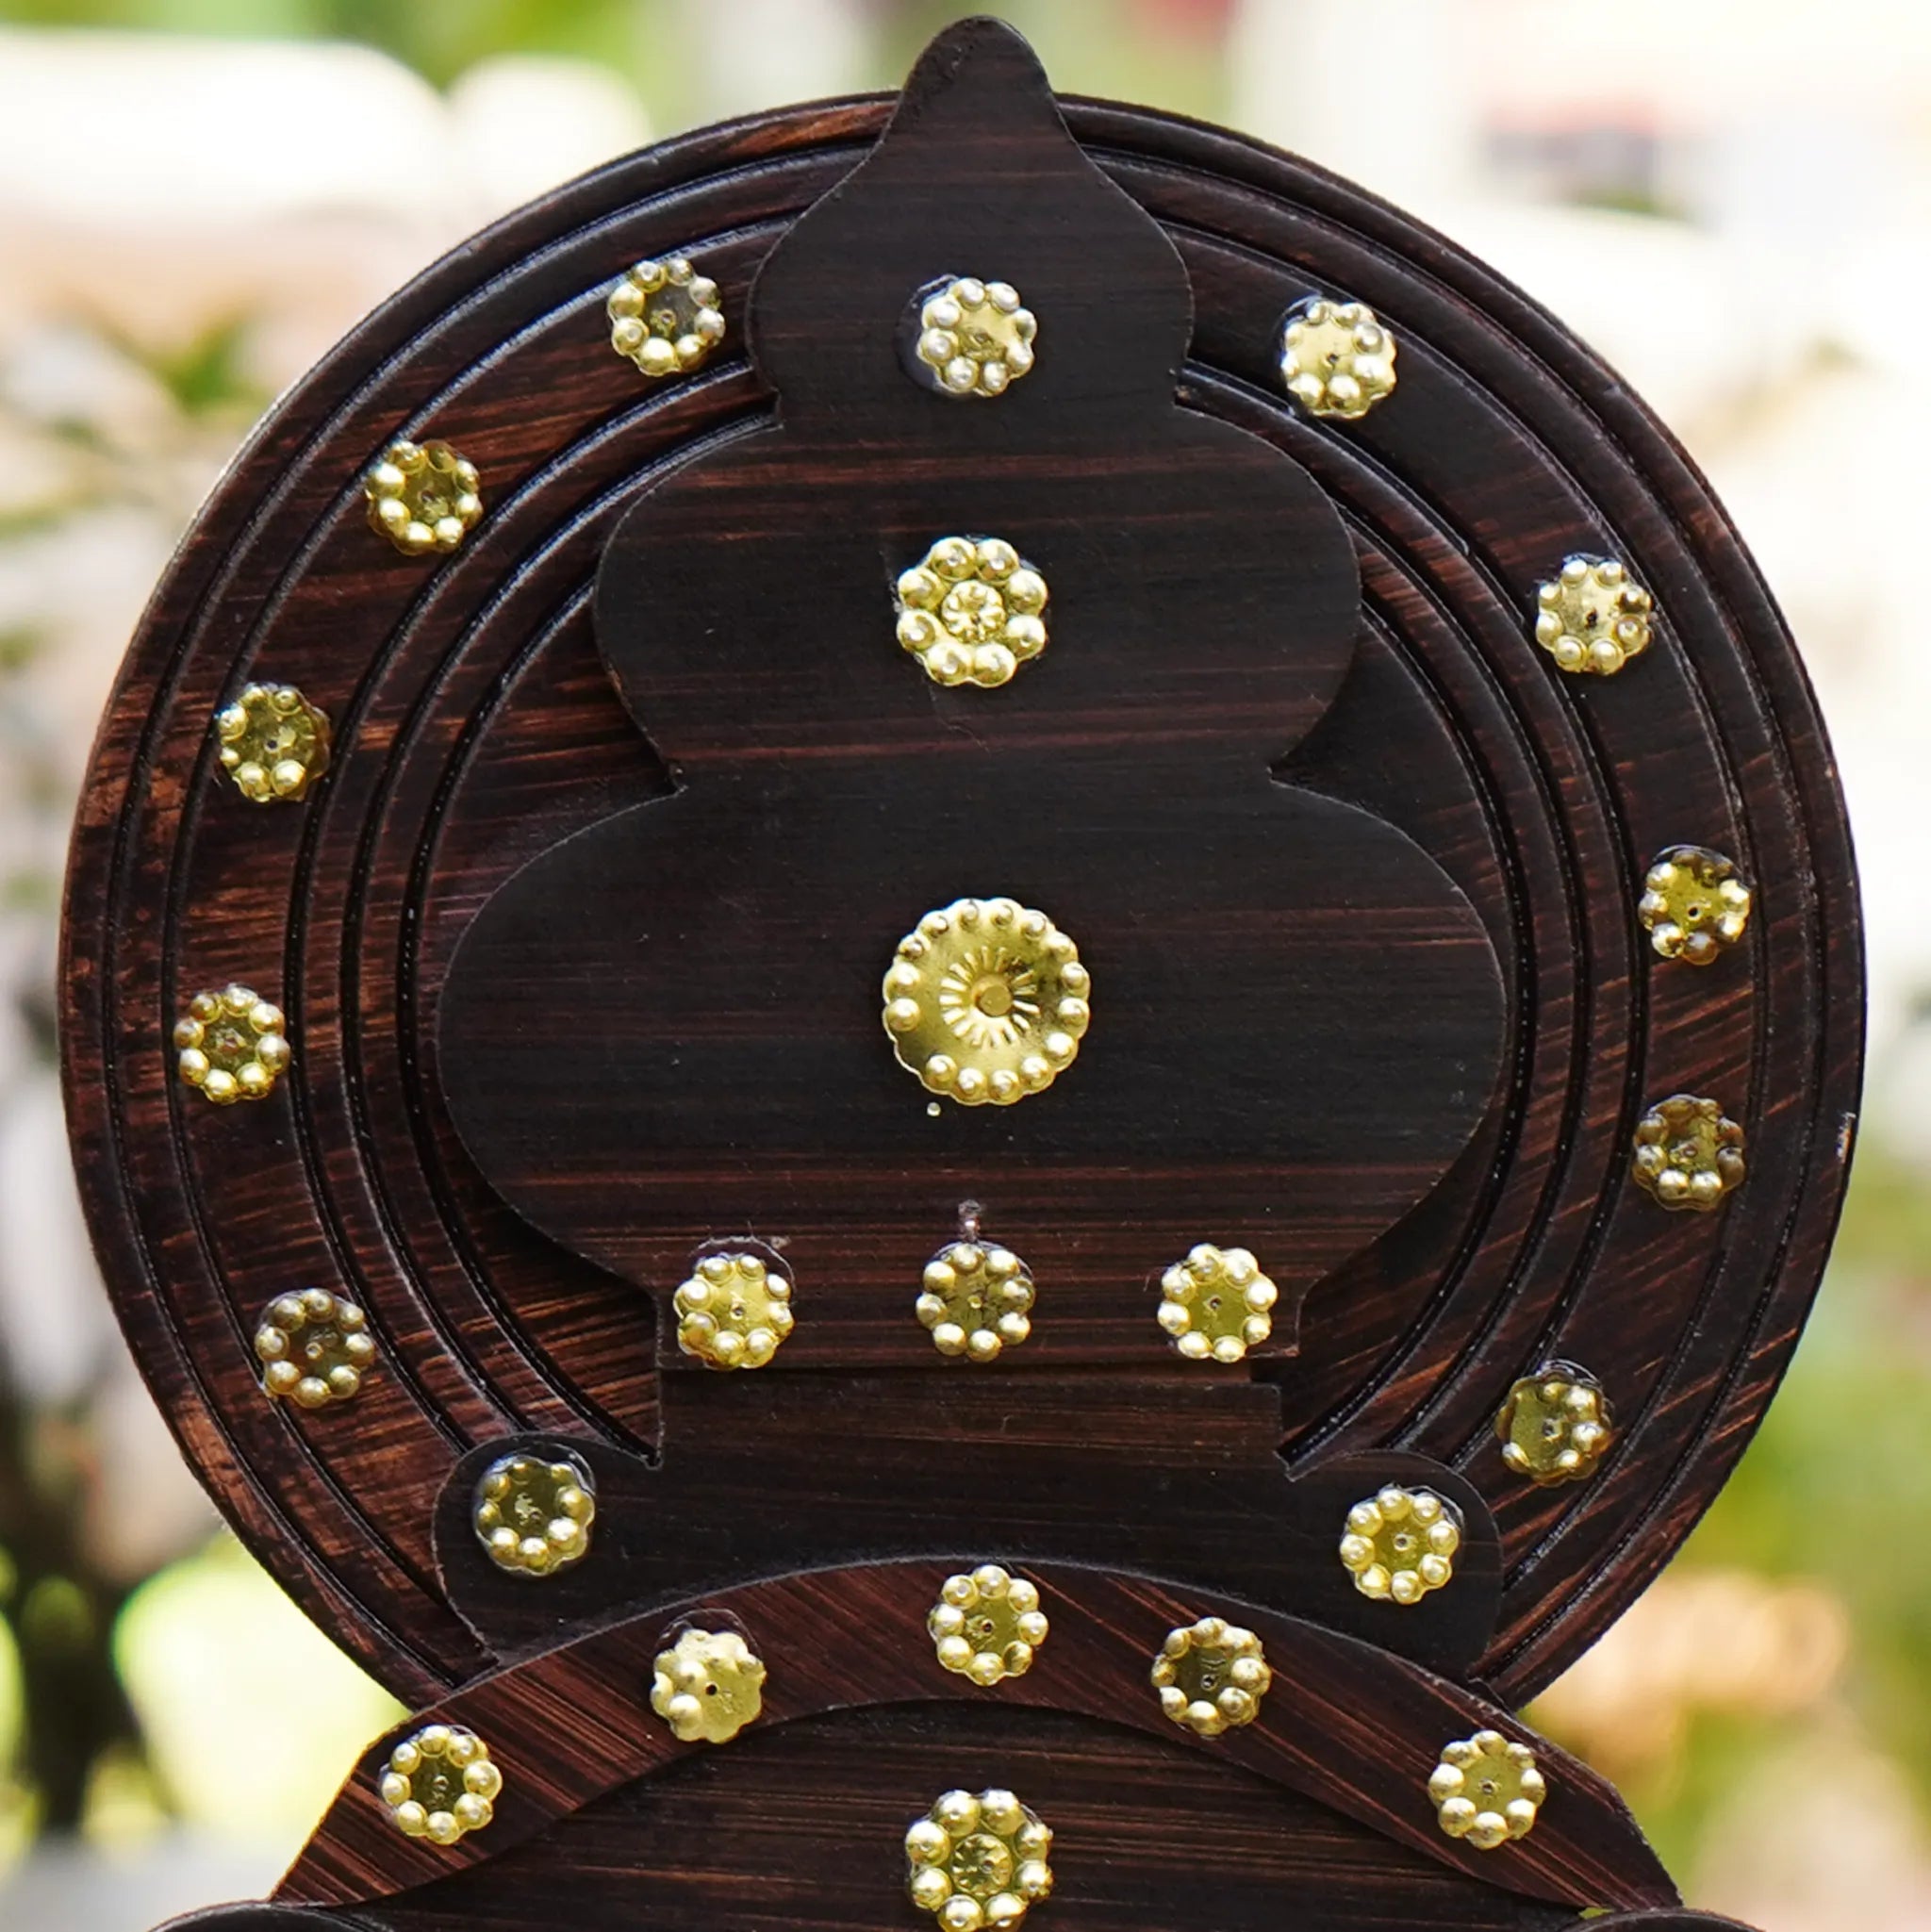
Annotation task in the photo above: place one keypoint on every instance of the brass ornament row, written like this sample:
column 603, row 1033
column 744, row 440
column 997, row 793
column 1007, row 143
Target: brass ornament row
column 972, row 1861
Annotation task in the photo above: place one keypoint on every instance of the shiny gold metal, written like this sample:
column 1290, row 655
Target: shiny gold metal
column 708, row 1686
column 1487, row 1789
column 974, row 337
column 665, row 316
column 1212, row 1677
column 1400, row 1544
column 440, row 1784
column 533, row 1517
column 1336, row 358
column 733, row 1311
column 315, row 1347
column 1594, row 618
column 972, row 611
column 977, row 1299
column 274, row 743
column 1556, row 1424
column 988, row 1624
column 1694, row 905
column 1216, row 1304
column 422, row 496
column 978, row 1862
column 986, row 1000
column 232, row 1045
column 1688, row 1152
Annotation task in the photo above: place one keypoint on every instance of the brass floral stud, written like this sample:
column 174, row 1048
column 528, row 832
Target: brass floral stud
column 978, row 1862
column 708, row 1686
column 440, row 1784
column 1694, row 905
column 971, row 611
column 1556, row 1424
column 733, row 1311
column 1212, row 1677
column 977, row 1299
column 233, row 1045
column 988, row 1624
column 1216, row 1304
column 273, row 742
column 1688, row 1152
column 1592, row 618
column 1487, row 1789
column 533, row 1517
column 314, row 1347
column 422, row 496
column 986, row 1000
column 974, row 337
column 1336, row 358
column 665, row 316
column 1400, row 1544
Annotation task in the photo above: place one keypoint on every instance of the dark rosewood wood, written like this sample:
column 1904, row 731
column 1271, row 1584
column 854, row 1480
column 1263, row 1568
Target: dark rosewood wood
column 1290, row 737
column 1344, row 1723
column 1298, row 1019
column 1206, row 1509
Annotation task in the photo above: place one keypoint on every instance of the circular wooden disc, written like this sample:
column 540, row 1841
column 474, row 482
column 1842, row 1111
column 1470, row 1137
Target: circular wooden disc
column 475, row 726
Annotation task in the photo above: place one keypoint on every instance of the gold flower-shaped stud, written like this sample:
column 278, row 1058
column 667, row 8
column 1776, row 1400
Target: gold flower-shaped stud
column 978, row 1862
column 733, row 1311
column 708, row 1686
column 1487, row 1789
column 422, row 496
column 273, row 743
column 1592, row 618
column 440, row 1784
column 1555, row 1425
column 665, row 316
column 533, row 1517
column 232, row 1046
column 1336, row 358
column 314, row 1347
column 1216, row 1304
column 1688, row 1152
column 974, row 338
column 986, row 1001
column 1212, row 1677
column 977, row 1299
column 1400, row 1544
column 971, row 611
column 988, row 1624
column 1694, row 905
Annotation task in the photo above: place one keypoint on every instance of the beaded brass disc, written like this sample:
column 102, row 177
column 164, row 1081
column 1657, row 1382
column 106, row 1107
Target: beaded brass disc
column 986, row 1000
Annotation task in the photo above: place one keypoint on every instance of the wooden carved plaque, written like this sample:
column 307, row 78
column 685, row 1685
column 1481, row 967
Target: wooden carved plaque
column 1342, row 1042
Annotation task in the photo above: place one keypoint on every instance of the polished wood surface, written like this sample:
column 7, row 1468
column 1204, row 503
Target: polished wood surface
column 580, row 941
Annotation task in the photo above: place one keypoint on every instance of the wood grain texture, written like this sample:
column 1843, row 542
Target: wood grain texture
column 1297, row 1015
column 1344, row 1725
column 476, row 728
column 1213, row 1506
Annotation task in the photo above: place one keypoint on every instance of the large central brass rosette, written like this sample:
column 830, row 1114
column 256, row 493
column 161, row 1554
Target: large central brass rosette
column 986, row 1001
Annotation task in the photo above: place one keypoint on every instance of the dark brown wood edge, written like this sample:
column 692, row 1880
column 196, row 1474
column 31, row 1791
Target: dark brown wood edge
column 1538, row 1640
column 1547, row 1630
column 1343, row 1724
column 122, row 777
column 1269, row 1529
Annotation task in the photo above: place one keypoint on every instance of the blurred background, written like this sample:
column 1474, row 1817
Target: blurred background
column 1727, row 198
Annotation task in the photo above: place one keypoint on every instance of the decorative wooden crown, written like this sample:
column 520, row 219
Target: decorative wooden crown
column 964, row 1006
